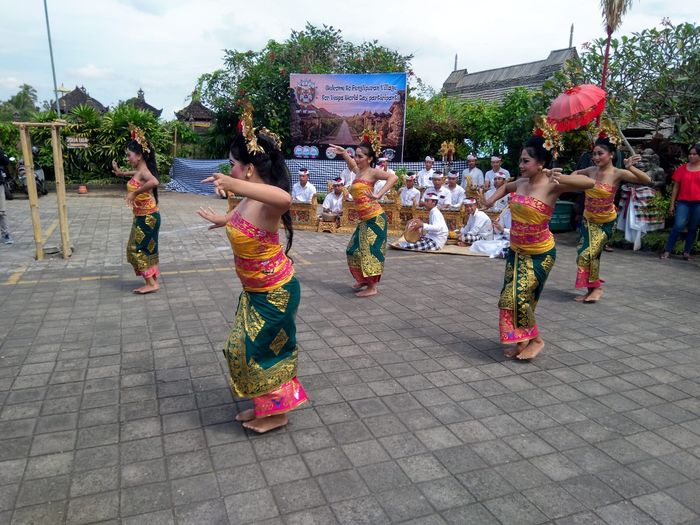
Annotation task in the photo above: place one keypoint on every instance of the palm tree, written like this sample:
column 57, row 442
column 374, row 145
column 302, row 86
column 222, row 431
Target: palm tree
column 613, row 10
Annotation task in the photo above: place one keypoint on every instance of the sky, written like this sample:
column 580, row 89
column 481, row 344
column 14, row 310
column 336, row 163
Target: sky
column 115, row 47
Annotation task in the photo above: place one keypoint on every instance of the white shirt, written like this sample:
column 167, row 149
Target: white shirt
column 436, row 229
column 303, row 193
column 444, row 195
column 477, row 177
column 478, row 224
column 500, row 204
column 425, row 178
column 334, row 203
column 348, row 176
column 506, row 221
column 378, row 187
column 491, row 174
column 456, row 195
column 408, row 196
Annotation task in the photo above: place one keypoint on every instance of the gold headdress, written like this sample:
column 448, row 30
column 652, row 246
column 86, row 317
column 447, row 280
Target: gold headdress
column 447, row 149
column 139, row 136
column 372, row 137
column 608, row 130
column 245, row 126
column 552, row 138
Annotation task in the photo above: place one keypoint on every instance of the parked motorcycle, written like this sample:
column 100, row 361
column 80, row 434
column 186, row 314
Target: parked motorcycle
column 5, row 179
column 39, row 177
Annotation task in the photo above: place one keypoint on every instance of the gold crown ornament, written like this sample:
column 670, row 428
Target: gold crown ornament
column 372, row 137
column 139, row 136
column 245, row 126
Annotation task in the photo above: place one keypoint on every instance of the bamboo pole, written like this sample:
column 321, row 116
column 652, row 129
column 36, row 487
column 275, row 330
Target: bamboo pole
column 31, row 189
column 60, row 192
column 58, row 122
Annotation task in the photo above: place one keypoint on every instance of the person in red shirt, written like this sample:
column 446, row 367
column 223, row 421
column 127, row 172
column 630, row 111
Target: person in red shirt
column 685, row 203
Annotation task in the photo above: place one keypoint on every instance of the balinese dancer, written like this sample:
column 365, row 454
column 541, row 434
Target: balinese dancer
column 261, row 350
column 367, row 247
column 600, row 214
column 532, row 252
column 142, row 198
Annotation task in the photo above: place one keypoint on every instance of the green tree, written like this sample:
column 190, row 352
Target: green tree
column 19, row 106
column 652, row 75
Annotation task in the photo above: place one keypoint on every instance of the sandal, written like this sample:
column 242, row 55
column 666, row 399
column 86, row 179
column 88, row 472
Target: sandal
column 686, row 256
column 665, row 255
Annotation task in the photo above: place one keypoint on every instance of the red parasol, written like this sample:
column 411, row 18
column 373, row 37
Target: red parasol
column 576, row 107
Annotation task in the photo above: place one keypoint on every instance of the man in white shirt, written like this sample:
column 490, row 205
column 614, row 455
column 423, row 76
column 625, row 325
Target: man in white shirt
column 457, row 193
column 478, row 227
column 382, row 164
column 472, row 177
column 409, row 195
column 333, row 203
column 435, row 232
column 303, row 191
column 498, row 180
column 426, row 174
column 498, row 247
column 442, row 192
column 495, row 168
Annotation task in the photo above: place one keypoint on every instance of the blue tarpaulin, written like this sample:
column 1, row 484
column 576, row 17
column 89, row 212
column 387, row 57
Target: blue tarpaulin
column 186, row 174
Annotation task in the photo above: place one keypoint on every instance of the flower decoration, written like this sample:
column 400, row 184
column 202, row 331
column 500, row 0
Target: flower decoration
column 139, row 136
column 608, row 130
column 552, row 138
column 372, row 137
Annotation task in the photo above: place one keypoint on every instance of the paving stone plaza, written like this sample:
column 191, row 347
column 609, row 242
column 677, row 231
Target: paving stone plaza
column 115, row 408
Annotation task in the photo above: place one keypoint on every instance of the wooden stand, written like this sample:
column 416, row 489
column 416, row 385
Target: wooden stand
column 26, row 143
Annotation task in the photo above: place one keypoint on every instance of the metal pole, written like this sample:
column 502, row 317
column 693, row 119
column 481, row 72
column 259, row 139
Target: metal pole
column 53, row 68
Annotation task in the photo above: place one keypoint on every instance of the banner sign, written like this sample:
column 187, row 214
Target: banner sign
column 335, row 109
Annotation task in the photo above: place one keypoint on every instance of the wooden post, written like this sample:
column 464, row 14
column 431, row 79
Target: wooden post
column 31, row 189
column 60, row 192
column 175, row 141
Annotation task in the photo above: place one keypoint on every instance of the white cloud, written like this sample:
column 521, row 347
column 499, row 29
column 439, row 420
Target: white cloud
column 91, row 71
column 10, row 83
column 114, row 47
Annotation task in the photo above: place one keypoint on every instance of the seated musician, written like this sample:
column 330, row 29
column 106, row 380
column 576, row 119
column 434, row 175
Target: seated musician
column 457, row 193
column 434, row 232
column 333, row 203
column 499, row 179
column 409, row 194
column 303, row 191
column 478, row 225
column 440, row 190
column 498, row 247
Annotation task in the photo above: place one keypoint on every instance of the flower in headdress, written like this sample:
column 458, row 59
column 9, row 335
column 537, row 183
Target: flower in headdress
column 608, row 130
column 552, row 138
column 372, row 137
column 139, row 136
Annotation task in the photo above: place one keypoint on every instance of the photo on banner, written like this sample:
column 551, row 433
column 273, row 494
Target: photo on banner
column 335, row 109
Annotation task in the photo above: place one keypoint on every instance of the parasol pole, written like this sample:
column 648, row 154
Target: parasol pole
column 612, row 16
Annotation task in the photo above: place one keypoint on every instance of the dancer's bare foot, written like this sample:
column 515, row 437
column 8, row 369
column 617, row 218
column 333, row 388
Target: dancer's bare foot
column 246, row 415
column 581, row 298
column 358, row 285
column 147, row 288
column 265, row 424
column 511, row 352
column 594, row 296
column 369, row 291
column 533, row 348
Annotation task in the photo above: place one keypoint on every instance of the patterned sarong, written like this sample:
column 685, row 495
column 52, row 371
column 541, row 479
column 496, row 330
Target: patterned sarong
column 522, row 285
column 366, row 250
column 262, row 350
column 593, row 238
column 142, row 248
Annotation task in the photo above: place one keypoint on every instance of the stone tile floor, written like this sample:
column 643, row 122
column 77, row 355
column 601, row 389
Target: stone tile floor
column 115, row 407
